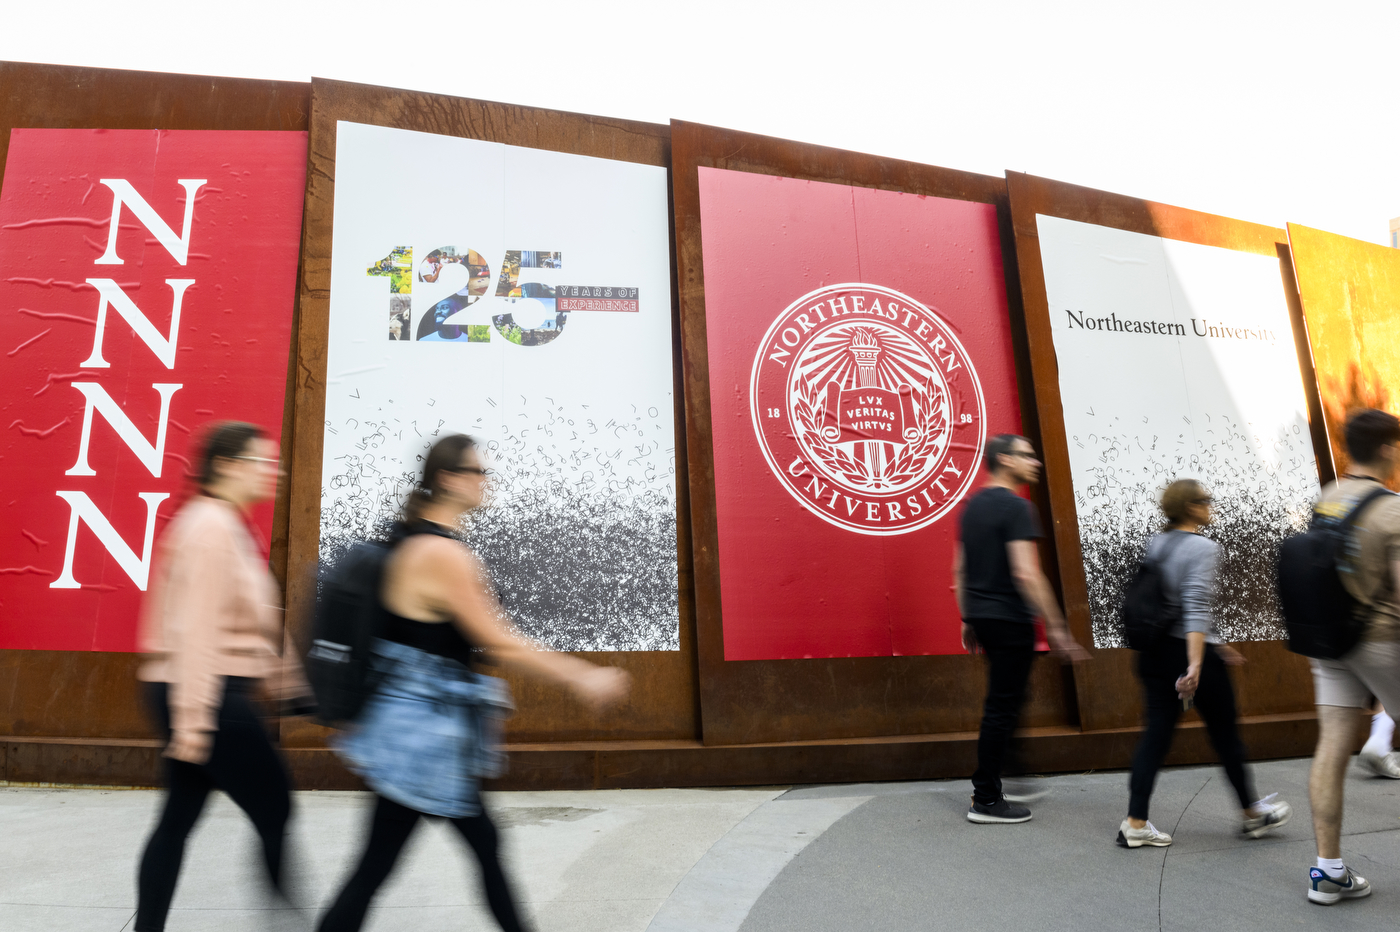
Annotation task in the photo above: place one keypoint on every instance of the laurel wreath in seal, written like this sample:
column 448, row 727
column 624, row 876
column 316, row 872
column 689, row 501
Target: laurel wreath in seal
column 909, row 462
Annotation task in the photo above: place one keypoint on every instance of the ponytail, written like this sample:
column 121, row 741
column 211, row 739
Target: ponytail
column 418, row 499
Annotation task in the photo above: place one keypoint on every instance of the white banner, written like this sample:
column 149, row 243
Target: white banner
column 524, row 297
column 1177, row 361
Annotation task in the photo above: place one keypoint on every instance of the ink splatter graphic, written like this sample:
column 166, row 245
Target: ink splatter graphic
column 579, row 534
column 1258, row 500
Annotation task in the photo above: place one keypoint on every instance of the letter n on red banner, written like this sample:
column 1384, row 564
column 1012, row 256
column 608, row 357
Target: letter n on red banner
column 147, row 281
column 869, row 337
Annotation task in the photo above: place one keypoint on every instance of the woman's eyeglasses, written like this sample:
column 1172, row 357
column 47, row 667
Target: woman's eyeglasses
column 469, row 470
column 1207, row 500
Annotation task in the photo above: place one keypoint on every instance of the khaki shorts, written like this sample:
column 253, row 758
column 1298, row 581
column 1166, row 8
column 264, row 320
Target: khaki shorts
column 1372, row 669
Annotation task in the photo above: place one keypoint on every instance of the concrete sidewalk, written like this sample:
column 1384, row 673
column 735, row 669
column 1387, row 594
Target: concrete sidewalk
column 854, row 857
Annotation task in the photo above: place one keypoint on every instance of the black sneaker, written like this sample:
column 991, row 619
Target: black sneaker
column 999, row 811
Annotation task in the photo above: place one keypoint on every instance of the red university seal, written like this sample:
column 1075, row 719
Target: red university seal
column 867, row 408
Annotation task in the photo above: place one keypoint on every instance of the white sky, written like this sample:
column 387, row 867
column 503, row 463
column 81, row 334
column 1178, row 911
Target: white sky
column 1265, row 111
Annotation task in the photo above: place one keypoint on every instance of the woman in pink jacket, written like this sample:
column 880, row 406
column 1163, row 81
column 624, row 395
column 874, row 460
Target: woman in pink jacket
column 211, row 630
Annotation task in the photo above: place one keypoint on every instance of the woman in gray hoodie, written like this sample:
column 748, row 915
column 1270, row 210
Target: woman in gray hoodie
column 1188, row 666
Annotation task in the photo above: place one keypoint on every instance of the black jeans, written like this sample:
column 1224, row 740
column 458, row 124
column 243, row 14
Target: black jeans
column 389, row 830
column 1215, row 700
column 244, row 765
column 1009, row 647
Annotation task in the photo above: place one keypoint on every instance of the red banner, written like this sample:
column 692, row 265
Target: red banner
column 147, row 281
column 860, row 355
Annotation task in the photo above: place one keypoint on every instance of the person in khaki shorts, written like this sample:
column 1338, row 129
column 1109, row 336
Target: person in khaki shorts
column 1344, row 687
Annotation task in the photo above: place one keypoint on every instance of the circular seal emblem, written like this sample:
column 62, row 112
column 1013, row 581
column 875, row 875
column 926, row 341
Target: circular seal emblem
column 868, row 409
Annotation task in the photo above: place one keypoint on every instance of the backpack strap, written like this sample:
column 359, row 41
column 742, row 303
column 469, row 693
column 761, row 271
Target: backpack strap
column 1174, row 539
column 1355, row 514
column 1349, row 522
column 403, row 530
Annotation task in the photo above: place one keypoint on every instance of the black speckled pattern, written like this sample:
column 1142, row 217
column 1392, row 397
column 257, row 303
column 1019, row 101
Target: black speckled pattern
column 1257, row 504
column 579, row 537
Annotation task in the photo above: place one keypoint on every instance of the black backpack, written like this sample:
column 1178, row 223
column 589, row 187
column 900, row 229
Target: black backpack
column 1323, row 619
column 348, row 619
column 1148, row 609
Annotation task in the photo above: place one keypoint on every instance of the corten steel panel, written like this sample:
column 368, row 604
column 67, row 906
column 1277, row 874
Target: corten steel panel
column 58, row 693
column 1273, row 680
column 662, row 703
column 794, row 700
column 634, row 764
column 86, row 761
column 1350, row 293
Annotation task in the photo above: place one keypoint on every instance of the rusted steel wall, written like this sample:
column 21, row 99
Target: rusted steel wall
column 694, row 719
column 663, row 700
column 784, row 700
column 1351, row 295
column 1274, row 682
column 92, row 695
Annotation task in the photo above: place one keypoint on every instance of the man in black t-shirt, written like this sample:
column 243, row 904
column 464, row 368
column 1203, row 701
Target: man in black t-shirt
column 1000, row 589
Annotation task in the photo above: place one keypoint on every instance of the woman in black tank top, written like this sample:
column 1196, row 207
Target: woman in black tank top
column 435, row 637
column 436, row 600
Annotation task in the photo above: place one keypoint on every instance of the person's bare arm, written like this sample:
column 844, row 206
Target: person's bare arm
column 969, row 637
column 1035, row 589
column 457, row 575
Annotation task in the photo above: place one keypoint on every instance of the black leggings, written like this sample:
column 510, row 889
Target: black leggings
column 389, row 830
column 1215, row 700
column 244, row 765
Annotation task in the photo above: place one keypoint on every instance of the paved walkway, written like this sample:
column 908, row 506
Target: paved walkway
column 809, row 859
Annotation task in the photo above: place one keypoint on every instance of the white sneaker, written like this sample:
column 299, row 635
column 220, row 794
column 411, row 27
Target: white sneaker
column 1270, row 816
column 1325, row 891
column 1129, row 837
column 1380, row 760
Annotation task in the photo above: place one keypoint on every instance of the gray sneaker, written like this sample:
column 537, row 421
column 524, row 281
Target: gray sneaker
column 1271, row 816
column 1149, row 834
column 1325, row 891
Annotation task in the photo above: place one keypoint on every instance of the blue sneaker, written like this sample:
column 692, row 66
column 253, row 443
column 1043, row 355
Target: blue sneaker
column 1326, row 891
